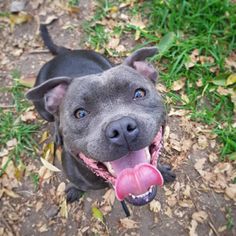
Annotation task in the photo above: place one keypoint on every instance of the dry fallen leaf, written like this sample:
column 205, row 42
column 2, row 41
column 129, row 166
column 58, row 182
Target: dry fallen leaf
column 199, row 165
column 186, row 203
column 231, row 80
column 10, row 193
column 155, row 206
column 4, row 152
column 192, row 228
column 28, row 116
column 129, row 224
column 64, row 209
column 200, row 216
column 168, row 212
column 44, row 137
column 109, row 197
column 43, row 228
column 61, row 189
column 187, row 191
column 20, row 18
column 213, row 157
column 177, row 112
column 49, row 166
column 113, row 43
column 38, row 206
column 12, row 143
column 202, row 142
column 28, row 81
column 171, row 201
column 178, row 84
column 230, row 191
column 44, row 173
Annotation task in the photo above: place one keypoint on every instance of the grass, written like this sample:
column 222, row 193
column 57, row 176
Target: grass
column 229, row 219
column 179, row 28
column 12, row 127
column 73, row 2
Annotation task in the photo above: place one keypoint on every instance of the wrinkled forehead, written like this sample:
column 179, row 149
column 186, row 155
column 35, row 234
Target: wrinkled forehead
column 115, row 79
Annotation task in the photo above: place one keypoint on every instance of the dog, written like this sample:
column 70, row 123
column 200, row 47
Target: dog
column 109, row 120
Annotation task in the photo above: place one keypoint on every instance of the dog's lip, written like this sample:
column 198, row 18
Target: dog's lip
column 107, row 172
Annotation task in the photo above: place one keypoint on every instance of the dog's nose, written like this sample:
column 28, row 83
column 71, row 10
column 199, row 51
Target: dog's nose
column 122, row 131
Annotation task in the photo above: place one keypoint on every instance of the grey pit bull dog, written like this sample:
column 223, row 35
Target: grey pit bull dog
column 109, row 120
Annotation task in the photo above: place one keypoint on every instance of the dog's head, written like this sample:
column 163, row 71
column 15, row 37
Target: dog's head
column 114, row 122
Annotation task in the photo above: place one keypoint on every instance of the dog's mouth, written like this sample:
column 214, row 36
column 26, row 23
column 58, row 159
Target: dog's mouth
column 135, row 176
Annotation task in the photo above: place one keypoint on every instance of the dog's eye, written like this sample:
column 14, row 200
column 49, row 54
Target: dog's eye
column 80, row 113
column 139, row 93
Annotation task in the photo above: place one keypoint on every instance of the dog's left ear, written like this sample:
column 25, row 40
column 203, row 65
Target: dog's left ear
column 137, row 61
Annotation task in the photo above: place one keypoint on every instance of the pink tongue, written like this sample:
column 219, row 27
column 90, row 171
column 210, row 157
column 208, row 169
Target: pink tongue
column 137, row 180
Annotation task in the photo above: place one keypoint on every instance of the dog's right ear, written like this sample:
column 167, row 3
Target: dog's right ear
column 52, row 91
column 137, row 61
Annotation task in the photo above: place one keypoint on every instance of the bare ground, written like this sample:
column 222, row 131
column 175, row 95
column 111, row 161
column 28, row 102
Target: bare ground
column 195, row 204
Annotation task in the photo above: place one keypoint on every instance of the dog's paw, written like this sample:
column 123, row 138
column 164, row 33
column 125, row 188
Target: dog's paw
column 167, row 174
column 73, row 194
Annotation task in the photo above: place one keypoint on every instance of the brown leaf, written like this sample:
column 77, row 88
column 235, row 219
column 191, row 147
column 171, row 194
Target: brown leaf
column 213, row 157
column 202, row 142
column 192, row 228
column 200, row 164
column 230, row 191
column 28, row 116
column 49, row 166
column 44, row 137
column 168, row 212
column 155, row 206
column 137, row 21
column 43, row 228
column 177, row 112
column 10, row 193
column 20, row 18
column 12, row 143
column 186, row 203
column 187, row 191
column 11, row 169
column 38, row 206
column 200, row 216
column 129, row 224
column 109, row 197
column 61, row 189
column 113, row 43
column 186, row 145
column 223, row 167
column 178, row 84
column 64, row 209
column 28, row 81
column 4, row 152
column 171, row 201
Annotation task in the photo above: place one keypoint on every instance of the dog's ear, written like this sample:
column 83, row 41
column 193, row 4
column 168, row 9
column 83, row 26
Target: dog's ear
column 137, row 61
column 52, row 91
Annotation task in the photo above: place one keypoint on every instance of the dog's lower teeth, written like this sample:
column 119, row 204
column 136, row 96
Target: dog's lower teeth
column 144, row 194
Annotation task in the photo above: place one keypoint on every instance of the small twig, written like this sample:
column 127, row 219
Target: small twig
column 7, row 106
column 39, row 51
column 213, row 228
column 214, row 196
